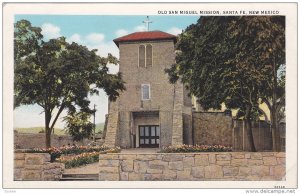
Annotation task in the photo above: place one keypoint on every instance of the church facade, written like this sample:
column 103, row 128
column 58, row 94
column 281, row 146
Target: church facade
column 151, row 112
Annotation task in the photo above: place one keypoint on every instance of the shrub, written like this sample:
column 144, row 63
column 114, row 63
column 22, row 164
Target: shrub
column 74, row 150
column 84, row 158
column 196, row 148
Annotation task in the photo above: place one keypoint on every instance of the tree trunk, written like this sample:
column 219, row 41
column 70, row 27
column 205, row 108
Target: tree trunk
column 249, row 129
column 47, row 128
column 275, row 132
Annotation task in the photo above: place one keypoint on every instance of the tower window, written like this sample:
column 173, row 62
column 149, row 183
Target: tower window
column 148, row 55
column 142, row 54
column 145, row 91
column 145, row 55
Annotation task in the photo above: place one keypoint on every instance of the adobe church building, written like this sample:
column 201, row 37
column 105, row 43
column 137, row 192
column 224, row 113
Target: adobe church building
column 151, row 112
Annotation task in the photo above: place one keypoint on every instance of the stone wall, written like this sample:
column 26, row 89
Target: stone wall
column 36, row 167
column 235, row 166
column 24, row 140
column 212, row 128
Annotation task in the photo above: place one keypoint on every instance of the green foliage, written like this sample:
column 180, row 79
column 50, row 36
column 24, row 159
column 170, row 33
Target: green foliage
column 79, row 160
column 196, row 148
column 78, row 125
column 58, row 75
column 231, row 60
column 56, row 153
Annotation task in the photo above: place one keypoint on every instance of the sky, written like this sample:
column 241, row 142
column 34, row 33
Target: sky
column 95, row 32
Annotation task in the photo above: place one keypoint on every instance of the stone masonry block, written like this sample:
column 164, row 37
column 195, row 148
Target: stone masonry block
column 109, row 169
column 281, row 161
column 184, row 175
column 239, row 162
column 198, row 172
column 176, row 165
column 223, row 162
column 34, row 167
column 154, row 171
column 230, row 171
column 109, row 176
column 277, row 171
column 169, row 174
column 19, row 156
column 109, row 163
column 19, row 163
column 108, row 156
column 212, row 158
column 132, row 176
column 238, row 155
column 280, row 155
column 270, row 161
column 256, row 156
column 145, row 157
column 127, row 165
column 213, row 172
column 140, row 166
column 201, row 160
column 188, row 162
column 244, row 171
column 223, row 157
column 124, row 176
column 128, row 156
column 260, row 170
column 172, row 157
column 34, row 159
column 31, row 175
column 254, row 162
column 158, row 164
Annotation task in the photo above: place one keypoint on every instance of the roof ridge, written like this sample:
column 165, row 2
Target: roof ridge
column 145, row 35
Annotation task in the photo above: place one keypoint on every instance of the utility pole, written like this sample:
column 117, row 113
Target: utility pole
column 94, row 136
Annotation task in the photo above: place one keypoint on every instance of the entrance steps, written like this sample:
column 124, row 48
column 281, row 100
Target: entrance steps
column 80, row 177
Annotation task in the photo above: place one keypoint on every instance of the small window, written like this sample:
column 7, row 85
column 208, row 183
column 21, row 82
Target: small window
column 145, row 92
column 142, row 54
column 149, row 55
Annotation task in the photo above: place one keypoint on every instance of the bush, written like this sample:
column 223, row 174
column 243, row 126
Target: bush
column 197, row 148
column 74, row 150
column 84, row 158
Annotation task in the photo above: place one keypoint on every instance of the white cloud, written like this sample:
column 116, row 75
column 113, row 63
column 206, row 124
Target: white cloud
column 50, row 31
column 121, row 32
column 94, row 38
column 140, row 28
column 174, row 31
column 74, row 38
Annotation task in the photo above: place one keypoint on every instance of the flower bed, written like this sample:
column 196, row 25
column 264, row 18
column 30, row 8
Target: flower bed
column 196, row 148
column 83, row 158
column 67, row 150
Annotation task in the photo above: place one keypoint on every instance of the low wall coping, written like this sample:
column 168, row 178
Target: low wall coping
column 190, row 153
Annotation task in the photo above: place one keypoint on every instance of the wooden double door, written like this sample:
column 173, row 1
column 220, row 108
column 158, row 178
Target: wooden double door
column 149, row 136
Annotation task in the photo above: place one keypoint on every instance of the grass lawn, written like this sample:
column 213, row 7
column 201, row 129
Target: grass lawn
column 57, row 131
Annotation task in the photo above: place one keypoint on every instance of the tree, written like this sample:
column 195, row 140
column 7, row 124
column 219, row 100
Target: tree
column 78, row 125
column 57, row 75
column 227, row 60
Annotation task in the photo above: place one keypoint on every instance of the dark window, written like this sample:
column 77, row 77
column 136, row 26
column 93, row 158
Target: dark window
column 149, row 55
column 141, row 56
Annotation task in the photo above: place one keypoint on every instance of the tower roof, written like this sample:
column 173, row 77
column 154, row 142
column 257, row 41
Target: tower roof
column 145, row 36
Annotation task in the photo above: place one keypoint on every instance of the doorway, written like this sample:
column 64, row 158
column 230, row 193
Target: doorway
column 149, row 136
